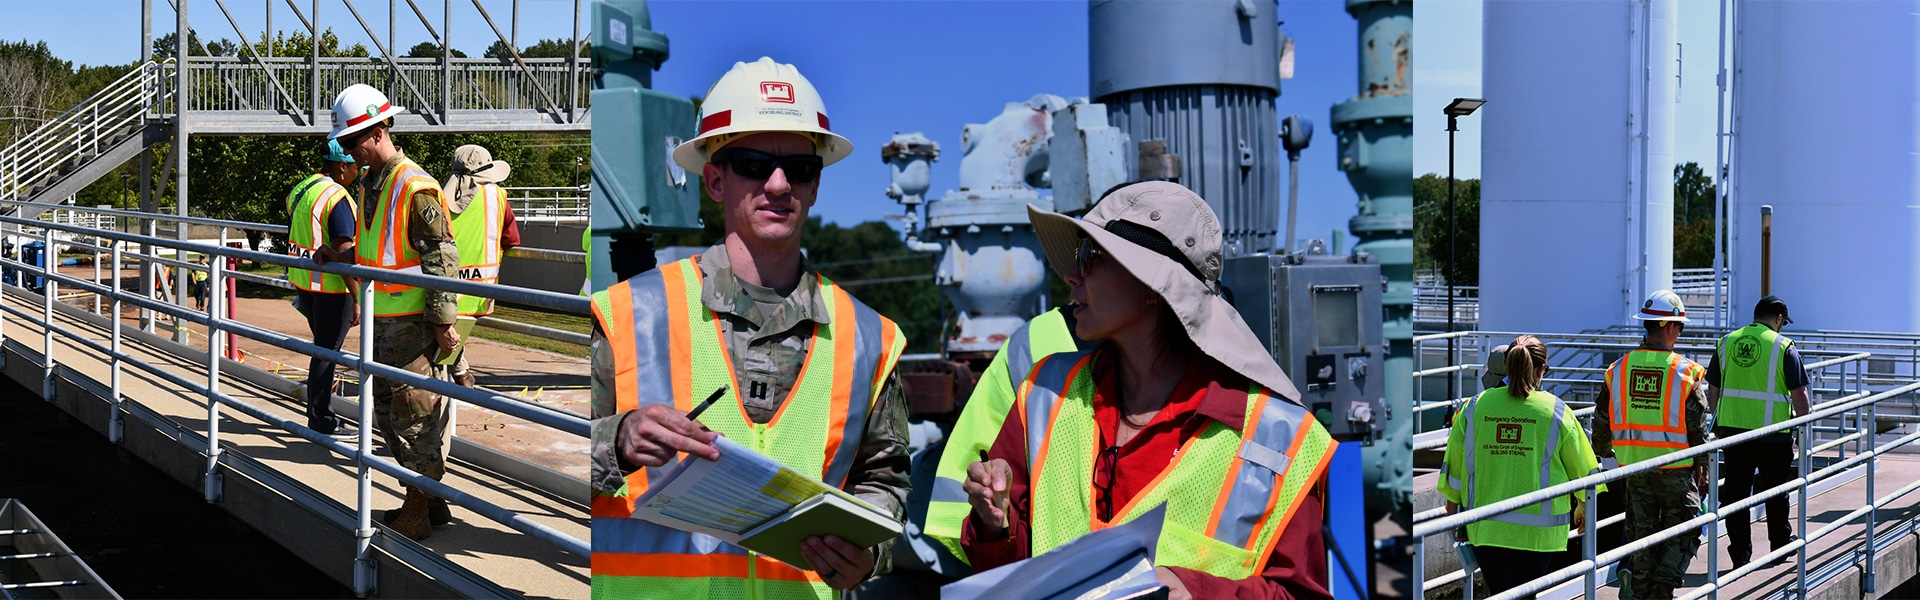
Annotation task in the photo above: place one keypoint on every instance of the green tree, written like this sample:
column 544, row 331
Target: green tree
column 1693, row 217
column 549, row 49
column 431, row 50
column 1432, row 227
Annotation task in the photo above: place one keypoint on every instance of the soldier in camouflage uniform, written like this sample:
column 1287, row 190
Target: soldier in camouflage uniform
column 1660, row 498
column 769, row 303
column 413, row 422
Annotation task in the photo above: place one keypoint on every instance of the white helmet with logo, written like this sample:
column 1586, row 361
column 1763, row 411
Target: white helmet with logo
column 1663, row 305
column 757, row 97
column 360, row 106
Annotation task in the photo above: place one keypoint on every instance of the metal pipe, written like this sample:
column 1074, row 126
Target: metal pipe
column 1766, row 250
column 182, row 102
column 211, row 479
column 363, row 562
column 116, row 418
column 48, row 289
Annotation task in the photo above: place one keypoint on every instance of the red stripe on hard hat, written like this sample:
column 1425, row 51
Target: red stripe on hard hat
column 363, row 118
column 716, row 121
column 823, row 121
column 1663, row 313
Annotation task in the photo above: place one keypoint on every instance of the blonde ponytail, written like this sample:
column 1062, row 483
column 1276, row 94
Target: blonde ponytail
column 1525, row 356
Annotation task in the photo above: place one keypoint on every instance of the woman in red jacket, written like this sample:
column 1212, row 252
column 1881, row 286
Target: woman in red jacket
column 1180, row 404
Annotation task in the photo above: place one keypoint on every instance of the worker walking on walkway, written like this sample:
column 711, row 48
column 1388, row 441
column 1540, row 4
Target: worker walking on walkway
column 805, row 371
column 322, row 222
column 1652, row 403
column 484, row 226
column 1512, row 440
column 1757, row 380
column 405, row 226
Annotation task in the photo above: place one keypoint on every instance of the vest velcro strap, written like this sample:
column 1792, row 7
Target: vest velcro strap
column 1261, row 455
column 1648, row 438
column 1751, row 395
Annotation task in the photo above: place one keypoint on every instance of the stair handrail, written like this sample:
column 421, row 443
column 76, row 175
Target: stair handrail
column 57, row 143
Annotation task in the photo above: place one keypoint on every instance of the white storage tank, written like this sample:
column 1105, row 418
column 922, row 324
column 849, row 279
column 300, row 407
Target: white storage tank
column 1828, row 109
column 1576, row 214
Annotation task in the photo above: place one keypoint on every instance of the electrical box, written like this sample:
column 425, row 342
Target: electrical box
column 1086, row 155
column 1320, row 318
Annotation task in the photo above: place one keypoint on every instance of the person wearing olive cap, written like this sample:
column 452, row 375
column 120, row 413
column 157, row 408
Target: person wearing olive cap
column 1758, row 380
column 1178, row 403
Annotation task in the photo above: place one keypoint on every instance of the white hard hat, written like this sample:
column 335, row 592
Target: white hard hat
column 757, row 97
column 1663, row 305
column 359, row 106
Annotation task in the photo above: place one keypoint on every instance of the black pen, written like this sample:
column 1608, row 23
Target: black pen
column 983, row 455
column 703, row 405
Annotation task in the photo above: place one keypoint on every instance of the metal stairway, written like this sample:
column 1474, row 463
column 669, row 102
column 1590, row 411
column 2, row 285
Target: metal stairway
column 77, row 148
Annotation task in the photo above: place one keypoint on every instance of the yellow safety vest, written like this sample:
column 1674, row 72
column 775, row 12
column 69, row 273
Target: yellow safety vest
column 665, row 342
column 1753, row 387
column 1500, row 447
column 1648, row 391
column 980, row 421
column 1228, row 493
column 477, row 233
column 308, row 208
column 382, row 243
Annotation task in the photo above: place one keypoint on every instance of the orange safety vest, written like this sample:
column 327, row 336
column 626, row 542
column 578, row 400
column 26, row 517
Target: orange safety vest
column 1647, row 399
column 382, row 242
column 665, row 342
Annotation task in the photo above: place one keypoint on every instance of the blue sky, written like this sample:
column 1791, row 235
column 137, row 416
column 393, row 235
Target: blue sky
column 1447, row 65
column 881, row 66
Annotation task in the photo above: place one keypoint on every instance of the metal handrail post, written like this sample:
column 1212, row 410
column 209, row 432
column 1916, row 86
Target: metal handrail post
column 115, row 423
column 1713, row 527
column 364, row 578
column 1866, row 579
column 212, row 479
column 1419, row 568
column 95, row 251
column 1800, row 571
column 47, row 290
column 149, row 228
column 1587, row 548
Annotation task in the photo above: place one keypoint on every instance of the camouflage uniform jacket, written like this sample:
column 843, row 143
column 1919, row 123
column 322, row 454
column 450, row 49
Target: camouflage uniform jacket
column 767, row 351
column 1696, row 415
column 429, row 232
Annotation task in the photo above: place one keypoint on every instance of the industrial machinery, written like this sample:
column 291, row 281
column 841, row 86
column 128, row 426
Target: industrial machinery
column 638, row 191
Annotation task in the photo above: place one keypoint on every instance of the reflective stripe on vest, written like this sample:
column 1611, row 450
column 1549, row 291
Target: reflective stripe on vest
column 308, row 207
column 665, row 342
column 1546, row 517
column 1750, row 397
column 1228, row 494
column 382, row 243
column 477, row 233
column 979, row 424
column 1661, row 382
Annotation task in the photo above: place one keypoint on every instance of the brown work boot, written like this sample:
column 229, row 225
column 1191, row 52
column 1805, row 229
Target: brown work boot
column 465, row 379
column 413, row 520
column 438, row 512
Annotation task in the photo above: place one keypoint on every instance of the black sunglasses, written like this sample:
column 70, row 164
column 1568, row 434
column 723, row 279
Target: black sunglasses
column 1104, row 469
column 757, row 165
column 1086, row 255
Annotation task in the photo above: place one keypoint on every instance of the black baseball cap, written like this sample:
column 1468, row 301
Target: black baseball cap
column 1771, row 305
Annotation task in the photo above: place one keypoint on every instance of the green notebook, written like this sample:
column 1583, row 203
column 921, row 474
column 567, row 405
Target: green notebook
column 463, row 326
column 834, row 512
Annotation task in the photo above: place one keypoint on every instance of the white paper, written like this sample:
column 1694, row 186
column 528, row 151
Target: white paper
column 1116, row 562
column 727, row 497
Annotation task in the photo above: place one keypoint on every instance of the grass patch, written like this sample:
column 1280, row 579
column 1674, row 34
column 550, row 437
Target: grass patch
column 543, row 318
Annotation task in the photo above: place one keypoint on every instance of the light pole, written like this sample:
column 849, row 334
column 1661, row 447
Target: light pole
column 1460, row 107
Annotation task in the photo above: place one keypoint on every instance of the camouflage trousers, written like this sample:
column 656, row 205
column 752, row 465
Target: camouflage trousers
column 414, row 422
column 1656, row 500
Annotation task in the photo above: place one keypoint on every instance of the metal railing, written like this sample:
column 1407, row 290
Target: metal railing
column 1854, row 366
column 225, row 83
column 1430, row 303
column 217, row 325
column 1858, row 408
column 87, row 129
column 550, row 202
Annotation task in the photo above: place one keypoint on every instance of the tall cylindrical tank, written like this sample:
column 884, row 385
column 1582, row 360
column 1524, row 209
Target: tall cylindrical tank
column 1576, row 207
column 1202, row 76
column 1827, row 110
column 1375, row 130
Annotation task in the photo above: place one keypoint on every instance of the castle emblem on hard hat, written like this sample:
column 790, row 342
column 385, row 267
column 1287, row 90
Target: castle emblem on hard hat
column 776, row 91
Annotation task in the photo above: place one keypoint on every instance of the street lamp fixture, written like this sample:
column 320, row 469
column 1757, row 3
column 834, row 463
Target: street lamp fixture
column 1460, row 107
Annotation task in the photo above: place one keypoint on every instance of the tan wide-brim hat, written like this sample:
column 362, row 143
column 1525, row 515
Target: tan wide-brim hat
column 474, row 165
column 1183, row 268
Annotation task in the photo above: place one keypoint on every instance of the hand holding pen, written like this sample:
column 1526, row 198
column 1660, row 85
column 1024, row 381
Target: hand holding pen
column 653, row 435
